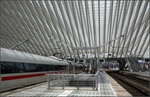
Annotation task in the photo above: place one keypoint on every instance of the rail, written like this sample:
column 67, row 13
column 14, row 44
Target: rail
column 73, row 81
column 134, row 81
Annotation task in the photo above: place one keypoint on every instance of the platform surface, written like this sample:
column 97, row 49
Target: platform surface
column 118, row 89
column 104, row 89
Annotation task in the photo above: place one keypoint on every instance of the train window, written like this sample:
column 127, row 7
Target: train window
column 42, row 67
column 46, row 67
column 29, row 67
column 10, row 67
column 64, row 67
column 38, row 67
column 3, row 67
column 52, row 68
column 20, row 67
column 16, row 67
column 33, row 67
column 57, row 67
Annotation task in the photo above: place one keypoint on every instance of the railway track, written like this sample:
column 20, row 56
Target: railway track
column 136, row 86
column 137, row 80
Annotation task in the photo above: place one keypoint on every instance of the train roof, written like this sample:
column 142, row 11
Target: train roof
column 16, row 56
column 76, row 64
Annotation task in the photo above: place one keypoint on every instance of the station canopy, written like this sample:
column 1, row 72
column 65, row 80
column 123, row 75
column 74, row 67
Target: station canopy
column 114, row 28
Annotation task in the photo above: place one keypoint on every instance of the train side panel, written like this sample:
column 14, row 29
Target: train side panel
column 12, row 81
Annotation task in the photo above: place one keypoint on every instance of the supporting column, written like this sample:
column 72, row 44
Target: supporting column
column 74, row 63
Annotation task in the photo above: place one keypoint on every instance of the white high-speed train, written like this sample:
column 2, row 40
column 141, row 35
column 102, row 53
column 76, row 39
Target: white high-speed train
column 20, row 69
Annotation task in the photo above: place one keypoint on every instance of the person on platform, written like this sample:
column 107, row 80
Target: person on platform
column 93, row 70
column 86, row 69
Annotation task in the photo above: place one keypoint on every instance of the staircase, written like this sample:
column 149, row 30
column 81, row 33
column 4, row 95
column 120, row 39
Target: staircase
column 82, row 83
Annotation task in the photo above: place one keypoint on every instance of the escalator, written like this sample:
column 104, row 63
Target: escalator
column 135, row 66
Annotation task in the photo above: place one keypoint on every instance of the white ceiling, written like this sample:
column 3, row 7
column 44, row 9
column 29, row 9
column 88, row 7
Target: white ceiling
column 45, row 27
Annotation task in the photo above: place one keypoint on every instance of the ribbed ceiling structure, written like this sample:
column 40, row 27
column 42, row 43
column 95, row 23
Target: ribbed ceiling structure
column 47, row 27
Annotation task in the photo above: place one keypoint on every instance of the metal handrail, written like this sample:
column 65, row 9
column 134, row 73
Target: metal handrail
column 73, row 80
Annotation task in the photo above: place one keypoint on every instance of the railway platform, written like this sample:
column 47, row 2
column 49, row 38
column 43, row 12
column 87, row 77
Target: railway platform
column 75, row 48
column 106, row 87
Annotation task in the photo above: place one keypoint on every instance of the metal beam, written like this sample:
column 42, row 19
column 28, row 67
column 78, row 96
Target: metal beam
column 110, row 24
column 104, row 29
column 127, row 26
column 19, row 44
column 85, row 48
column 122, row 24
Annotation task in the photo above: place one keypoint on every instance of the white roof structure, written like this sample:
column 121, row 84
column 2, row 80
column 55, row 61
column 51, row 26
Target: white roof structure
column 45, row 27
